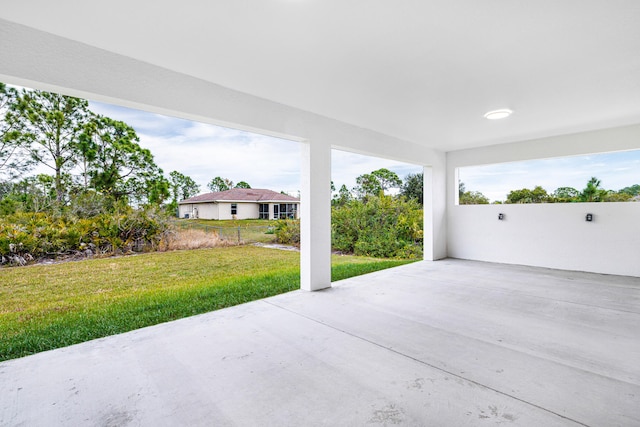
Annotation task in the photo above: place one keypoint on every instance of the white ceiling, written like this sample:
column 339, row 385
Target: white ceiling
column 421, row 70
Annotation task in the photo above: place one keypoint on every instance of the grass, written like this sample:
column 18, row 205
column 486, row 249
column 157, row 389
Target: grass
column 43, row 307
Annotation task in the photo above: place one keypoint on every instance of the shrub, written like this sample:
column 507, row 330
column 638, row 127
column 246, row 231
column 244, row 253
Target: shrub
column 288, row 231
column 381, row 226
column 28, row 236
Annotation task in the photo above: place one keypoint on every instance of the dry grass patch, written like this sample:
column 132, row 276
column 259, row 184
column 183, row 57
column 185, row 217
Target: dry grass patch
column 193, row 239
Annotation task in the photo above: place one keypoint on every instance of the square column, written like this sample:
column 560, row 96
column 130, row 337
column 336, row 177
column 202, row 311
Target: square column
column 315, row 216
column 435, row 236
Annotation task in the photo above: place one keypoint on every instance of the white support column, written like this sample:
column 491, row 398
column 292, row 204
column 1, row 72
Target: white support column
column 427, row 195
column 315, row 216
column 435, row 236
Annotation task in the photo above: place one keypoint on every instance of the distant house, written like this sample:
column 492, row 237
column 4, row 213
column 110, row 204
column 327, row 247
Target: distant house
column 240, row 203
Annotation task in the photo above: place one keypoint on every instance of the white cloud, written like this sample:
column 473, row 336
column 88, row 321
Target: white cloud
column 203, row 151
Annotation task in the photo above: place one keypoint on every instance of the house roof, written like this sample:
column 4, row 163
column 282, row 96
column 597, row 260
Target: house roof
column 242, row 195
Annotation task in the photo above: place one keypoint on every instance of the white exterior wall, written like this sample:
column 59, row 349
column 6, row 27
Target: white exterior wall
column 548, row 235
column 203, row 210
column 207, row 210
column 245, row 210
column 185, row 209
column 40, row 60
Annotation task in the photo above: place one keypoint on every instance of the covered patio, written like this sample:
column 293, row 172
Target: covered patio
column 497, row 339
column 444, row 343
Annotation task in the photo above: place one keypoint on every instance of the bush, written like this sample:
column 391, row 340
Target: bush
column 381, row 226
column 288, row 231
column 28, row 236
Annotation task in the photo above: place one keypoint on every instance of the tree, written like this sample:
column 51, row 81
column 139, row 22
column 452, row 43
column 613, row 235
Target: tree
column 156, row 189
column 220, row 184
column 343, row 197
column 632, row 190
column 242, row 184
column 593, row 192
column 613, row 196
column 461, row 188
column 13, row 160
column 387, row 179
column 470, row 197
column 32, row 194
column 473, row 198
column 182, row 187
column 117, row 165
column 537, row 195
column 413, row 187
column 565, row 194
column 372, row 184
column 52, row 124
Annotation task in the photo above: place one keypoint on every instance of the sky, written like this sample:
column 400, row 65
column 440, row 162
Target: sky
column 203, row 151
column 615, row 171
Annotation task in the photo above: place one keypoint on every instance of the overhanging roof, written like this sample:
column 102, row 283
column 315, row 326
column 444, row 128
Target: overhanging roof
column 423, row 71
column 242, row 195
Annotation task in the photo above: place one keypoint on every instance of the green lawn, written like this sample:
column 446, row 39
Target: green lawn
column 50, row 306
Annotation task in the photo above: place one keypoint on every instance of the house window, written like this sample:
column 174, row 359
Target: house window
column 276, row 215
column 287, row 211
column 234, row 209
column 264, row 211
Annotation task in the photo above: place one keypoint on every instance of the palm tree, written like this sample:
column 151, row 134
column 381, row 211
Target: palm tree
column 592, row 192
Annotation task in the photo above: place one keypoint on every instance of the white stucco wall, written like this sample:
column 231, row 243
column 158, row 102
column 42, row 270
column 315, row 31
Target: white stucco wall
column 184, row 210
column 199, row 210
column 547, row 235
column 207, row 210
column 244, row 211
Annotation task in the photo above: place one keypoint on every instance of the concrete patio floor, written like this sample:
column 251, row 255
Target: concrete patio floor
column 447, row 343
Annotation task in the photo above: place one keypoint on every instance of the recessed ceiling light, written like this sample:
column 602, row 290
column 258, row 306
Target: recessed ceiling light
column 498, row 114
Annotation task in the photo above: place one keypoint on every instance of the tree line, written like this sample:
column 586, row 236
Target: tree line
column 379, row 182
column 92, row 159
column 592, row 192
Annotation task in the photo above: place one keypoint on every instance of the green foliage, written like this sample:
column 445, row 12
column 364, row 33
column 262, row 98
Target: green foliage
column 537, row 195
column 470, row 197
column 612, row 196
column 343, row 196
column 242, row 184
column 13, row 160
column 288, row 231
column 220, row 184
column 52, row 124
column 473, row 198
column 376, row 182
column 593, row 192
column 115, row 163
column 633, row 190
column 380, row 226
column 182, row 186
column 565, row 195
column 413, row 187
column 28, row 236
